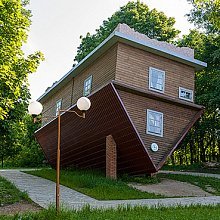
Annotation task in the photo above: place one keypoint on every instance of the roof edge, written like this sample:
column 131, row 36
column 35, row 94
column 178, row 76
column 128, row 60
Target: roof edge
column 114, row 37
column 153, row 95
column 162, row 50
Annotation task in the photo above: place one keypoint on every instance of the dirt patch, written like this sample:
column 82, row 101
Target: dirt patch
column 19, row 207
column 172, row 188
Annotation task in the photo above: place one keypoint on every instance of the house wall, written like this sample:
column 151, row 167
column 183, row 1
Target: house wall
column 175, row 119
column 49, row 110
column 102, row 71
column 133, row 69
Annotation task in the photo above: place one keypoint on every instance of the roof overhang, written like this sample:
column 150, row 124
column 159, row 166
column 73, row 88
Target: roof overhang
column 108, row 43
column 83, row 141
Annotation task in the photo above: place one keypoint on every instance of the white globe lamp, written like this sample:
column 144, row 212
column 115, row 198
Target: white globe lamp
column 83, row 104
column 35, row 108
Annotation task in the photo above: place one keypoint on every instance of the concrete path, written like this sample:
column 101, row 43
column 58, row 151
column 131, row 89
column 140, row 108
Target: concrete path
column 42, row 192
column 191, row 173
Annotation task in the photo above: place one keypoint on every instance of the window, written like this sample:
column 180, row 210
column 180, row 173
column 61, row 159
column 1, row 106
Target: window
column 156, row 79
column 58, row 106
column 185, row 94
column 87, row 86
column 154, row 123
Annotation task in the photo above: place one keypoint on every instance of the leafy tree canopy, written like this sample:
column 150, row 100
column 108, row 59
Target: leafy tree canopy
column 137, row 15
column 14, row 66
column 205, row 136
column 14, row 69
column 206, row 14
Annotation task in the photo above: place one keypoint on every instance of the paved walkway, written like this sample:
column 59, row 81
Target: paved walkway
column 42, row 192
column 191, row 173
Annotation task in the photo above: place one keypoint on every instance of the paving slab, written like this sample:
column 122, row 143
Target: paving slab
column 191, row 173
column 172, row 188
column 42, row 192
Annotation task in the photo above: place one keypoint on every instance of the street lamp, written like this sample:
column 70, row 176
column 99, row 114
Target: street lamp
column 35, row 108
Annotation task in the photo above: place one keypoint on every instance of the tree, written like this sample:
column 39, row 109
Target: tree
column 136, row 15
column 14, row 69
column 203, row 141
column 206, row 15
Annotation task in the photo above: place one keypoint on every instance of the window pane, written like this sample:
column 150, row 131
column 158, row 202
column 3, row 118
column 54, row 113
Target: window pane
column 156, row 80
column 87, row 86
column 155, row 122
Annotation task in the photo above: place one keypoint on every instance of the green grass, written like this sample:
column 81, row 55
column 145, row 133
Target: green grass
column 9, row 194
column 94, row 184
column 192, row 168
column 125, row 213
column 202, row 182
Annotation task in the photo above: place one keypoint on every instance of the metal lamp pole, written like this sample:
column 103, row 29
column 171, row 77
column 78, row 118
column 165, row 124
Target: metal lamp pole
column 35, row 108
column 58, row 155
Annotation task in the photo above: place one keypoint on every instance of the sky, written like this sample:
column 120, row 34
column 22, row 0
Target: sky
column 57, row 26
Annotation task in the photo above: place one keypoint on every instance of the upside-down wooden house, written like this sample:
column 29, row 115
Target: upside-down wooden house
column 142, row 105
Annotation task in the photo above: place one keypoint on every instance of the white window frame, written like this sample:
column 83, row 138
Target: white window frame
column 151, row 69
column 87, row 91
column 148, row 131
column 58, row 106
column 186, row 90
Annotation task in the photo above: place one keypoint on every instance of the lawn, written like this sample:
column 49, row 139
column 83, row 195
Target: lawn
column 9, row 194
column 95, row 184
column 128, row 213
column 206, row 183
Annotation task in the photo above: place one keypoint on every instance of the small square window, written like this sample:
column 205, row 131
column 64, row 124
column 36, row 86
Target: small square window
column 185, row 94
column 87, row 86
column 58, row 106
column 156, row 79
column 154, row 123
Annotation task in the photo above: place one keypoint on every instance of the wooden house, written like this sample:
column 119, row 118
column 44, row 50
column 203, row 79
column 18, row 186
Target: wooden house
column 142, row 95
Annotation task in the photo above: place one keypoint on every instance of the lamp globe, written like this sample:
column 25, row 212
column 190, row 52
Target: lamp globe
column 35, row 108
column 83, row 103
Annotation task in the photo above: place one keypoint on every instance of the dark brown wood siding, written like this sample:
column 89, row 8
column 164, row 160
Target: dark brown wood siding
column 83, row 141
column 133, row 69
column 175, row 120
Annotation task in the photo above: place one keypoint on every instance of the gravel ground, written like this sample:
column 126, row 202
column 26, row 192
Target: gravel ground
column 19, row 207
column 172, row 188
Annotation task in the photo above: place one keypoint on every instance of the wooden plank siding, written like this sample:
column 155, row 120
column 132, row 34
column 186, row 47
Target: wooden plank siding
column 133, row 69
column 49, row 105
column 175, row 119
column 102, row 70
column 83, row 141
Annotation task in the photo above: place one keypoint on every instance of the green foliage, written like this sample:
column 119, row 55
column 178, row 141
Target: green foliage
column 136, row 15
column 14, row 70
column 30, row 153
column 14, row 67
column 9, row 194
column 125, row 213
column 203, row 182
column 140, row 179
column 203, row 141
column 206, row 14
column 94, row 184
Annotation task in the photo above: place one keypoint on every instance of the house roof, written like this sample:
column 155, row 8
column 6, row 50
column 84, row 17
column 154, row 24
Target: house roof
column 125, row 34
column 83, row 141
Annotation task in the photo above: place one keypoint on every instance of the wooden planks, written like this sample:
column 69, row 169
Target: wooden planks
column 176, row 119
column 133, row 69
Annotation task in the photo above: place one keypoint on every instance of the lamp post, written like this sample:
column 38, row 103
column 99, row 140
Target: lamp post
column 35, row 108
